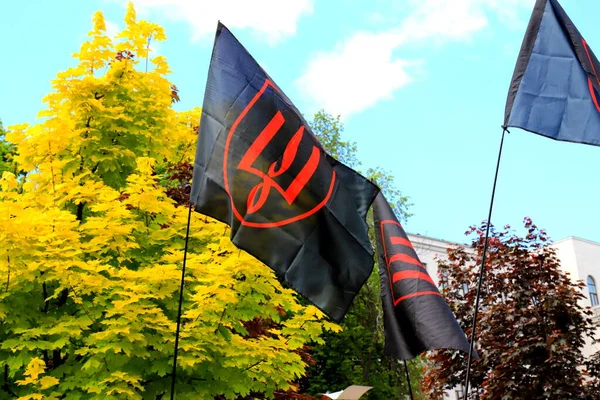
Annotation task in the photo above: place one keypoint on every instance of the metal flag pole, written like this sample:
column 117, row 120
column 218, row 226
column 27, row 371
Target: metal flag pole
column 482, row 268
column 408, row 379
column 187, row 237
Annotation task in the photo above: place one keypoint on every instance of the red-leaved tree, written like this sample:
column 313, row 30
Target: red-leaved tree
column 530, row 329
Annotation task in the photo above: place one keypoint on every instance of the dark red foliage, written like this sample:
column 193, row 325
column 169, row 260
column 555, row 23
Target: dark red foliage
column 530, row 329
column 123, row 196
column 124, row 55
column 258, row 327
column 174, row 94
column 593, row 367
column 178, row 178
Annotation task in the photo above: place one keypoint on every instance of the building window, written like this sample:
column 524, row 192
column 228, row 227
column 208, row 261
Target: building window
column 459, row 393
column 464, row 288
column 593, row 292
column 443, row 276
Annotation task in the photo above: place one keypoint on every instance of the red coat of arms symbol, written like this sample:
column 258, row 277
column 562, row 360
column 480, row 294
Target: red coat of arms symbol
column 267, row 185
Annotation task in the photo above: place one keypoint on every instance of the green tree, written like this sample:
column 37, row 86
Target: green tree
column 329, row 130
column 91, row 245
column 6, row 153
column 355, row 355
column 531, row 327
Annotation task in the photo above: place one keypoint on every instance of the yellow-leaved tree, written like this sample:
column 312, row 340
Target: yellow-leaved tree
column 91, row 246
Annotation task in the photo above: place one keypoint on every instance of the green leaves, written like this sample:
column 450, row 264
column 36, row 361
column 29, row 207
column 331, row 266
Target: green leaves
column 329, row 131
column 92, row 241
column 6, row 154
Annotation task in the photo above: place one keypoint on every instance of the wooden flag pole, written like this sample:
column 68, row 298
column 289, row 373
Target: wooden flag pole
column 482, row 268
column 408, row 380
column 187, row 237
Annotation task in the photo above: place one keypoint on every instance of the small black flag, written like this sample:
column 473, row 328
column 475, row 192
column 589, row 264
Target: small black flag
column 416, row 316
column 260, row 169
column 555, row 89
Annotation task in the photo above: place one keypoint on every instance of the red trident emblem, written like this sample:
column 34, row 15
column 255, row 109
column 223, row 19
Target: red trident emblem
column 261, row 192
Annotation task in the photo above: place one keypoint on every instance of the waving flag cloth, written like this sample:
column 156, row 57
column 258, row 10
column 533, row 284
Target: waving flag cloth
column 260, row 169
column 555, row 87
column 416, row 316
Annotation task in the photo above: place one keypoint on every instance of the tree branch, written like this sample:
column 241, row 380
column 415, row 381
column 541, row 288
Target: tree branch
column 255, row 364
column 83, row 306
column 62, row 300
column 80, row 207
column 46, row 302
column 8, row 274
column 5, row 385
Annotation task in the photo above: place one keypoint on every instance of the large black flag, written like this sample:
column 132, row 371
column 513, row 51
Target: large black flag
column 260, row 169
column 555, row 87
column 416, row 316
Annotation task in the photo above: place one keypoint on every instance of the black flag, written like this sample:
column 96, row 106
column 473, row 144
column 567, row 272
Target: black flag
column 416, row 316
column 260, row 169
column 555, row 86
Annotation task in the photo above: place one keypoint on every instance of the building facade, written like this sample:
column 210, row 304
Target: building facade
column 578, row 257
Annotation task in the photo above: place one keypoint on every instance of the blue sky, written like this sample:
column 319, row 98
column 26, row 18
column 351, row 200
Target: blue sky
column 420, row 84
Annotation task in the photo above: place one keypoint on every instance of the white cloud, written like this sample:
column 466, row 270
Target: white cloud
column 362, row 69
column 356, row 75
column 270, row 20
column 111, row 29
column 154, row 48
column 446, row 20
column 442, row 20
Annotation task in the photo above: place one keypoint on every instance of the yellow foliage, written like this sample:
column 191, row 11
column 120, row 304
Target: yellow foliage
column 91, row 247
column 48, row 381
column 35, row 368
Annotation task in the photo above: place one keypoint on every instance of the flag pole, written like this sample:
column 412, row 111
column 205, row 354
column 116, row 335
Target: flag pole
column 482, row 268
column 187, row 237
column 408, row 379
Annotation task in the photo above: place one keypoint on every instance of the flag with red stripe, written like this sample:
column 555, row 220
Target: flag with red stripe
column 416, row 316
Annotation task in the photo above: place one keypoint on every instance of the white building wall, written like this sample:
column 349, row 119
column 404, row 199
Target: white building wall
column 429, row 251
column 568, row 260
column 580, row 258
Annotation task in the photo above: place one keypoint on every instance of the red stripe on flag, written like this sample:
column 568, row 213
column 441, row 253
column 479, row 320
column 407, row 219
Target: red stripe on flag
column 390, row 221
column 400, row 240
column 408, row 296
column 398, row 276
column 405, row 258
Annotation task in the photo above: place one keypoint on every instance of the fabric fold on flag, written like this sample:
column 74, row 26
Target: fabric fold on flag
column 416, row 316
column 260, row 169
column 555, row 89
